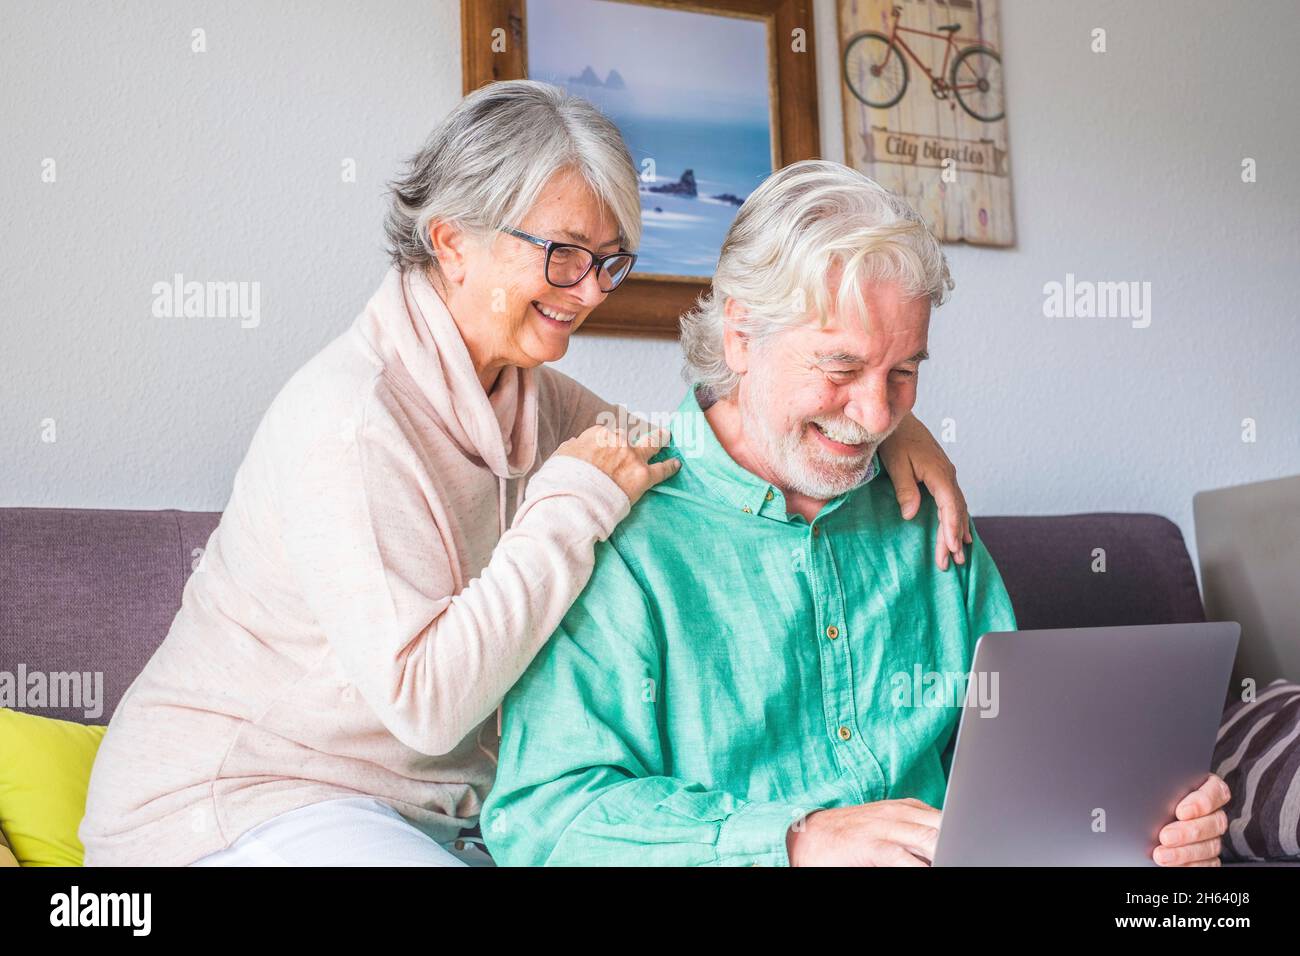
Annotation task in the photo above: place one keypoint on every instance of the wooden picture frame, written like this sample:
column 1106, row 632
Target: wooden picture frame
column 494, row 47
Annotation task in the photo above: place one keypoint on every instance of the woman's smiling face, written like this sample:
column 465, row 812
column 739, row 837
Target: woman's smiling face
column 497, row 290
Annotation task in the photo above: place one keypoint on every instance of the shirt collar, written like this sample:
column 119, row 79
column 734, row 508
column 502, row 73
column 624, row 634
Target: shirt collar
column 695, row 443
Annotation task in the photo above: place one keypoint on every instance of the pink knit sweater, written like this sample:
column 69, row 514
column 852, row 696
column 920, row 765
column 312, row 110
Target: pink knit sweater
column 378, row 581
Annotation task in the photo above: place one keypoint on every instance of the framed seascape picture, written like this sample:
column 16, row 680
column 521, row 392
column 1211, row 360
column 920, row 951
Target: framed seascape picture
column 925, row 111
column 710, row 96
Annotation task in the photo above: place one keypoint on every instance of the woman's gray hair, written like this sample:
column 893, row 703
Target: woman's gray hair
column 485, row 164
column 805, row 224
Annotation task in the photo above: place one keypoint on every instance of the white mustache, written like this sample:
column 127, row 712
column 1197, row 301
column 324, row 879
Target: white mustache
column 845, row 430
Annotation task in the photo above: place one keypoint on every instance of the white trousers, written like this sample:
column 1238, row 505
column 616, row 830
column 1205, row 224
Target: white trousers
column 348, row 831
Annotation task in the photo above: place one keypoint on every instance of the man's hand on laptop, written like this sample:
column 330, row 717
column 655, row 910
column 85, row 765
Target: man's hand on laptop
column 885, row 833
column 1194, row 838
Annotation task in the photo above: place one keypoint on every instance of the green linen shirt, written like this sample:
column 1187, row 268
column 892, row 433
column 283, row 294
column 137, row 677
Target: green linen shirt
column 730, row 667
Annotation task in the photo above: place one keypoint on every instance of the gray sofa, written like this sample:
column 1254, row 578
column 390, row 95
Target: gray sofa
column 85, row 590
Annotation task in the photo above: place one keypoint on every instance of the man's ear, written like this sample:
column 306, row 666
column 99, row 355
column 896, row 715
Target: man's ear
column 735, row 344
column 449, row 247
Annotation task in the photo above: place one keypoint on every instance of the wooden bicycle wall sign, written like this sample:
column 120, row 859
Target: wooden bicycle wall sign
column 925, row 110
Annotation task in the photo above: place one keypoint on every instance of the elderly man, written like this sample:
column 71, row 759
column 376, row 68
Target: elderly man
column 725, row 689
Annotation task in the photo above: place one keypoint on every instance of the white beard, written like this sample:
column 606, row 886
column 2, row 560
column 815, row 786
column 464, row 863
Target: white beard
column 798, row 462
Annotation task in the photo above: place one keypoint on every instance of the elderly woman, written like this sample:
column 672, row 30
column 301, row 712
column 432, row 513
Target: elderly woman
column 418, row 509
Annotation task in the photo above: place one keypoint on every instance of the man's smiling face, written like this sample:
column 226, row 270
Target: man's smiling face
column 816, row 402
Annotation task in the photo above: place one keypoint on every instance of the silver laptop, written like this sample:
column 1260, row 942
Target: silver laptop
column 1092, row 737
column 1248, row 543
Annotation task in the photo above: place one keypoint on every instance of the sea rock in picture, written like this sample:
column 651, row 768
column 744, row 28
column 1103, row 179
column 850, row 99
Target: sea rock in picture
column 587, row 77
column 683, row 187
column 613, row 81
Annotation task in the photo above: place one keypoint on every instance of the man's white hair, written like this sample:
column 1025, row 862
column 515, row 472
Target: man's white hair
column 485, row 164
column 806, row 223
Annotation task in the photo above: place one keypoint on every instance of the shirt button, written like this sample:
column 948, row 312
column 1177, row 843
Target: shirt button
column 768, row 496
column 816, row 530
column 747, row 511
column 832, row 632
column 459, row 844
column 845, row 733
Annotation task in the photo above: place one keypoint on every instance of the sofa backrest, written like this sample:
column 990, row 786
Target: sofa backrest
column 92, row 591
column 95, row 591
column 1050, row 565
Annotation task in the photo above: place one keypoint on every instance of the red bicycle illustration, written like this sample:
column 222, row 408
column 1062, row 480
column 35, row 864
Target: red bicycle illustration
column 876, row 71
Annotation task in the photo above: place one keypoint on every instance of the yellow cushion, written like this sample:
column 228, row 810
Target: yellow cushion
column 44, row 773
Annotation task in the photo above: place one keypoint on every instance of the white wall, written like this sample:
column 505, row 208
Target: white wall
column 226, row 165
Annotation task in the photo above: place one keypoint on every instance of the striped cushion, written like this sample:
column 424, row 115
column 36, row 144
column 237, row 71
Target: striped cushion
column 1258, row 756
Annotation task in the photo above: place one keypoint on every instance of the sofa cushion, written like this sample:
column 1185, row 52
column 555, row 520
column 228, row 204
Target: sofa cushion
column 1258, row 756
column 44, row 774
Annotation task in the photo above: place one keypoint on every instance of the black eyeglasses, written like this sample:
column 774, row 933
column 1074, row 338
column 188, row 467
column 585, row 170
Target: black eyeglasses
column 567, row 264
